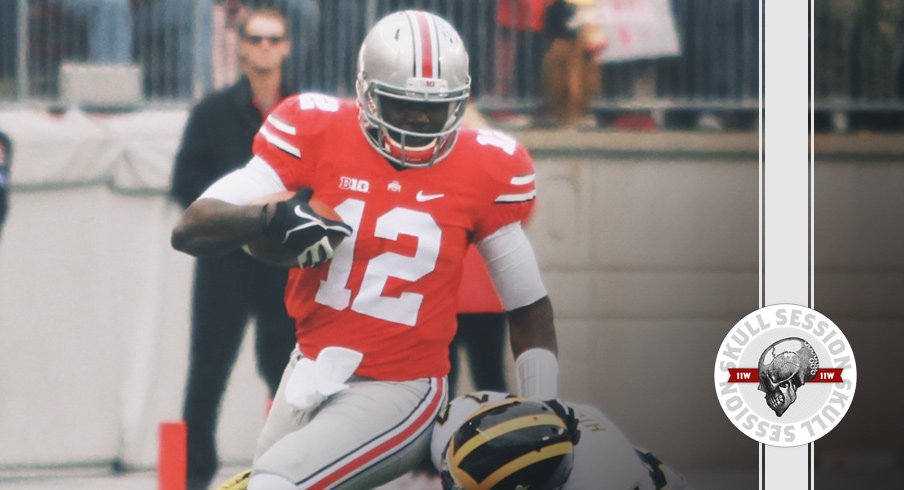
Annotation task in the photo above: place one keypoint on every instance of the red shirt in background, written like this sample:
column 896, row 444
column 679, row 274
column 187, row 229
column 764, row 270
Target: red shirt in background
column 522, row 15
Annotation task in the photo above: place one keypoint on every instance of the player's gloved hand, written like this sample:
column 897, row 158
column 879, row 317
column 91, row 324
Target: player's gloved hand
column 294, row 224
column 567, row 415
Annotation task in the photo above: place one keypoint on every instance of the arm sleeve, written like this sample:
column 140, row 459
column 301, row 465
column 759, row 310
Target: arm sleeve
column 510, row 259
column 247, row 184
column 194, row 169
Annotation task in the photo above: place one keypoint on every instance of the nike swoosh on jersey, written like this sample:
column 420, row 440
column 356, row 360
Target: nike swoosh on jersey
column 421, row 197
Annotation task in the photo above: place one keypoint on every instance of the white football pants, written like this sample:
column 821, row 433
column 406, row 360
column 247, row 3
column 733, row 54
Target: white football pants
column 362, row 437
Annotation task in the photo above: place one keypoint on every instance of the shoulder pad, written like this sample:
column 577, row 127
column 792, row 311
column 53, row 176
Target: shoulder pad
column 500, row 154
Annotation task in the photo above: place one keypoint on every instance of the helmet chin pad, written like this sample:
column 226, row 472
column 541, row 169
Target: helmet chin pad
column 397, row 145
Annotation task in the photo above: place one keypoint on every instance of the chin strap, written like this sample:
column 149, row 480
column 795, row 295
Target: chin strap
column 413, row 154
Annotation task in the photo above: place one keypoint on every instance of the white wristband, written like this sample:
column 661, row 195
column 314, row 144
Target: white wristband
column 537, row 374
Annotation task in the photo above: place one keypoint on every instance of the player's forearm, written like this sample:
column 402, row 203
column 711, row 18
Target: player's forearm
column 533, row 339
column 213, row 227
column 531, row 327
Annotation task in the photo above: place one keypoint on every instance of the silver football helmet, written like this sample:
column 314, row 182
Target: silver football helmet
column 412, row 61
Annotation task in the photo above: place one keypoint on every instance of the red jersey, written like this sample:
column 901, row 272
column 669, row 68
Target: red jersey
column 390, row 290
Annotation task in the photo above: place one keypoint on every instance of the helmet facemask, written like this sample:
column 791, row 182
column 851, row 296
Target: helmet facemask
column 386, row 115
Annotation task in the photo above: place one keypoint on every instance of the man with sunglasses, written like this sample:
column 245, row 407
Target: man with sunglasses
column 229, row 289
column 374, row 316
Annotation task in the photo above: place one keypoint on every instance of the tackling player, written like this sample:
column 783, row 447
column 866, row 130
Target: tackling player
column 496, row 440
column 375, row 317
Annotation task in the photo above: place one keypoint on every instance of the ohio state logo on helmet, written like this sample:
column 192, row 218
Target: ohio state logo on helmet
column 785, row 375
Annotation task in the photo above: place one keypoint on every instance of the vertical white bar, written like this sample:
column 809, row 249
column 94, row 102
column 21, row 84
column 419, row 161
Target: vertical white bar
column 785, row 181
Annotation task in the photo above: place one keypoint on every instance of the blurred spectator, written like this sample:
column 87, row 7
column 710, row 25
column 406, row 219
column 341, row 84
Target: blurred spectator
column 6, row 155
column 520, row 46
column 177, row 41
column 303, row 17
column 175, row 46
column 571, row 76
column 109, row 27
column 230, row 289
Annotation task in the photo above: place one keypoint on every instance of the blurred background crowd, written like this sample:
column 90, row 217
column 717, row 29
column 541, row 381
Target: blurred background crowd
column 656, row 63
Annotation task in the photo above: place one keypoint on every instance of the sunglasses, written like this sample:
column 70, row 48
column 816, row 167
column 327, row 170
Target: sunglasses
column 259, row 39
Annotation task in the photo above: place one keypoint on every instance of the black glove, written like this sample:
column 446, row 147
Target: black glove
column 297, row 226
column 566, row 413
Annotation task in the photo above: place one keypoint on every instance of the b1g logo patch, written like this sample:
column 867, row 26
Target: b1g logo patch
column 785, row 375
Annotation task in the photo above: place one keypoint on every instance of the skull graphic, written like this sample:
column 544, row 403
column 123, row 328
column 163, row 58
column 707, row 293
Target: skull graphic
column 784, row 367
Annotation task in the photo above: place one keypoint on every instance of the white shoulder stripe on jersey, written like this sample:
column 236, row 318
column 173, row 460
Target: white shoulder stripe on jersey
column 280, row 143
column 281, row 125
column 508, row 198
column 523, row 179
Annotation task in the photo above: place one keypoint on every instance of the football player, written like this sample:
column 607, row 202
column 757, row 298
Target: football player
column 375, row 316
column 495, row 440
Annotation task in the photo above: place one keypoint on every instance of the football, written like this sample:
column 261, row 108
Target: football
column 271, row 251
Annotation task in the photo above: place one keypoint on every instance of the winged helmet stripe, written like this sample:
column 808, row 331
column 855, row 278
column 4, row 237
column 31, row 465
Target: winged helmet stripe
column 427, row 44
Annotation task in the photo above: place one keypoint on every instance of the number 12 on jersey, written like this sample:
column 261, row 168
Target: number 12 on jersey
column 334, row 291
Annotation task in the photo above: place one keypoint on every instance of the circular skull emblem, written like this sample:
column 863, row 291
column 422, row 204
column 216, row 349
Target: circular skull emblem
column 784, row 367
